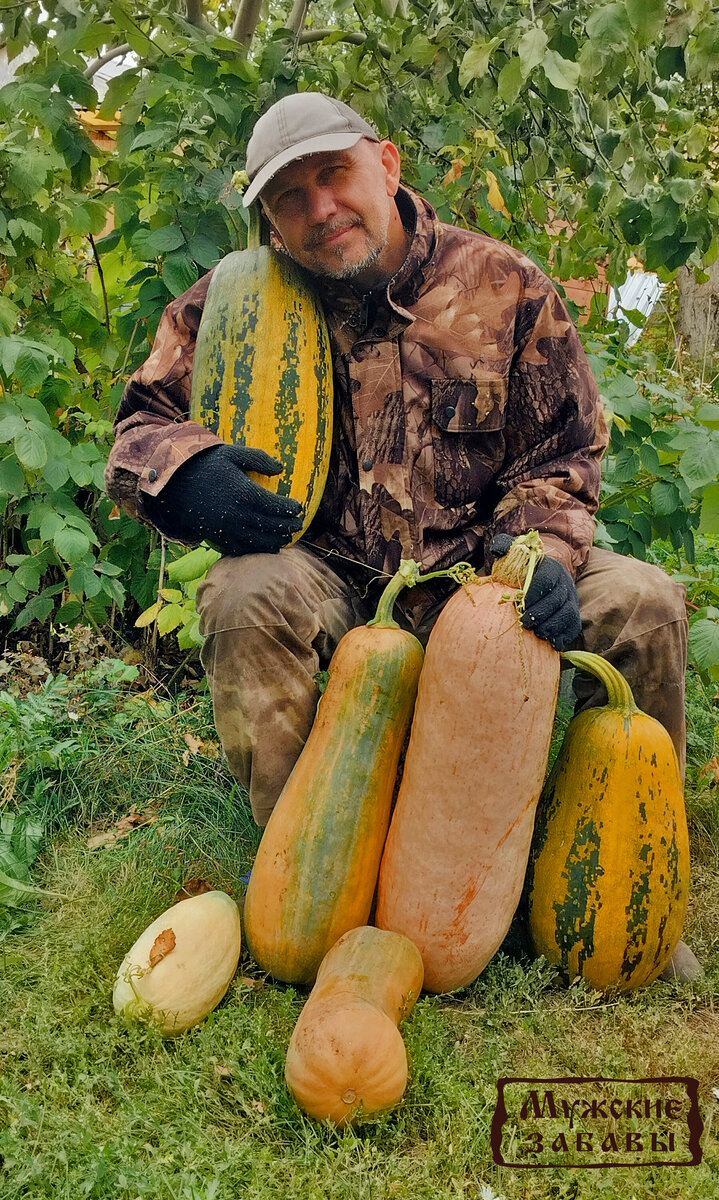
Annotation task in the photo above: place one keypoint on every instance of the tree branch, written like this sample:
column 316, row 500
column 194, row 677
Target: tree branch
column 196, row 16
column 246, row 18
column 116, row 52
column 102, row 281
column 297, row 17
column 354, row 39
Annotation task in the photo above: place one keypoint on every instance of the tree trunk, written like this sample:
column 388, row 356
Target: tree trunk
column 699, row 313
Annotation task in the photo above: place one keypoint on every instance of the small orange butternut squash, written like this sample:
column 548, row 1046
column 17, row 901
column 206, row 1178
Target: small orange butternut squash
column 346, row 1057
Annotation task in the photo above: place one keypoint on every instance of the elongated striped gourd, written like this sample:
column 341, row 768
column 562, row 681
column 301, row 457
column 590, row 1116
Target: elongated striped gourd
column 262, row 372
column 608, row 880
column 316, row 867
column 346, row 1057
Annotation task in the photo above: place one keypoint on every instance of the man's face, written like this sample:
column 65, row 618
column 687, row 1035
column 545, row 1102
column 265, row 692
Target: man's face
column 334, row 211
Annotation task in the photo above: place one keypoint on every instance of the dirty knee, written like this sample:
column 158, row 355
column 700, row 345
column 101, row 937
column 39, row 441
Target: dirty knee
column 255, row 589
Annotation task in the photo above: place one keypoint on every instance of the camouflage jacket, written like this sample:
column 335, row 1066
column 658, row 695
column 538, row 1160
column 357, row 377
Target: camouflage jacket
column 464, row 406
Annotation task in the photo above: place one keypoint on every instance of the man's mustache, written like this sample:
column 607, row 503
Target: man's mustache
column 319, row 235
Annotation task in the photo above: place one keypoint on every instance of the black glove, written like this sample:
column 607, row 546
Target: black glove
column 210, row 498
column 551, row 604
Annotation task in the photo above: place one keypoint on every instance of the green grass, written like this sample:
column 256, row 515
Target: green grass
column 92, row 1108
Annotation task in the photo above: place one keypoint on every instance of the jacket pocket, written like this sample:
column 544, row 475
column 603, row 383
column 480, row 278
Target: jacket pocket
column 468, row 437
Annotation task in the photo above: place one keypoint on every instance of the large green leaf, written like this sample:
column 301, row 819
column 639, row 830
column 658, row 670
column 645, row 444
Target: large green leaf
column 561, row 72
column 699, row 465
column 608, row 25
column 30, row 448
column 475, row 62
column 531, row 48
column 71, row 544
column 709, row 523
column 665, row 497
column 179, row 272
column 166, row 238
column 704, row 645
column 647, row 18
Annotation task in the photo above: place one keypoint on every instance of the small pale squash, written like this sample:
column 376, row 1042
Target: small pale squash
column 457, row 849
column 608, row 880
column 262, row 370
column 180, row 968
column 346, row 1057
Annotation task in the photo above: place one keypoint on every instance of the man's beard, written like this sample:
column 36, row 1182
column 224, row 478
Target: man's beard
column 347, row 270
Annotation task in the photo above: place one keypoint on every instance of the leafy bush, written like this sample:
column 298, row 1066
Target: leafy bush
column 579, row 135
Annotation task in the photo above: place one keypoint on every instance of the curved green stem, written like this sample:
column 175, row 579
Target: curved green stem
column 254, row 229
column 407, row 576
column 618, row 690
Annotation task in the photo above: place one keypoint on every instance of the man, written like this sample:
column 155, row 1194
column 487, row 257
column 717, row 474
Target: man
column 465, row 413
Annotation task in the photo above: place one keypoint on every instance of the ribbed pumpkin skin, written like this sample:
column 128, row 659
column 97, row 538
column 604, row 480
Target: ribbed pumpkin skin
column 456, row 853
column 187, row 984
column 316, row 867
column 262, row 372
column 346, row 1055
column 609, row 874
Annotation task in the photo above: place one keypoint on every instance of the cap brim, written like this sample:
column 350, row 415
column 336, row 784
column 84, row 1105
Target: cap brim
column 313, row 145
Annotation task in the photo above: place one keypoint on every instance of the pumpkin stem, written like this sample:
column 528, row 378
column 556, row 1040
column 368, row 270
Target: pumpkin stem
column 516, row 568
column 254, row 227
column 619, row 692
column 408, row 575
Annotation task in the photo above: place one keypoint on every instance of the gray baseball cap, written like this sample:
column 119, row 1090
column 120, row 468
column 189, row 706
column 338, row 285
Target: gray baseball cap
column 305, row 123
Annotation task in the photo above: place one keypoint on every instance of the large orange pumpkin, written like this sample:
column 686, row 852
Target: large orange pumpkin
column 457, row 849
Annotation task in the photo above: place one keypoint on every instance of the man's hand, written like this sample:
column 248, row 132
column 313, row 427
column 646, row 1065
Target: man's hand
column 210, row 498
column 551, row 604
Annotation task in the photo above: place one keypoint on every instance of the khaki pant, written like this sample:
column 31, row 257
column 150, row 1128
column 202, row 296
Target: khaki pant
column 272, row 621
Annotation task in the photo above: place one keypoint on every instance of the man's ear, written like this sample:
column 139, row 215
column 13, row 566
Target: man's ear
column 392, row 164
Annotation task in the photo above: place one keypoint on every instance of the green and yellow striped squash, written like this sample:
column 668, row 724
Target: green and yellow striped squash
column 316, row 868
column 262, row 372
column 608, row 877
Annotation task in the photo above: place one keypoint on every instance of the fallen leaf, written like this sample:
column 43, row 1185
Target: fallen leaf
column 194, row 743
column 248, row 982
column 199, row 746
column 711, row 769
column 257, row 1104
column 146, row 697
column 222, row 1072
column 194, row 887
column 8, row 784
column 163, row 945
column 132, row 657
column 125, row 825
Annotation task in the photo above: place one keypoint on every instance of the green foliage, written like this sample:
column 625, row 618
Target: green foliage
column 580, row 134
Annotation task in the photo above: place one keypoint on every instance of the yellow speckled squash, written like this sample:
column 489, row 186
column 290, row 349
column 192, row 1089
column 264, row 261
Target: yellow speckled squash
column 262, row 372
column 346, row 1057
column 608, row 880
column 316, row 867
column 180, row 968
